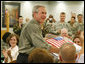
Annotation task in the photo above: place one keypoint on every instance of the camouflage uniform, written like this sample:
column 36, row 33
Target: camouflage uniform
column 60, row 26
column 17, row 29
column 72, row 29
column 49, row 27
column 80, row 26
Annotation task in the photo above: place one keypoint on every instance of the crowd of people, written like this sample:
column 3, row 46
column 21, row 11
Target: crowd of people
column 28, row 42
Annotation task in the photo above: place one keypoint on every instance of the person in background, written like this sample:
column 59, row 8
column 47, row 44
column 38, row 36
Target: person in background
column 39, row 55
column 77, row 40
column 51, row 19
column 17, row 28
column 73, row 15
column 80, row 58
column 4, row 44
column 62, row 23
column 79, row 23
column 72, row 28
column 64, row 33
column 67, row 53
column 66, row 37
column 49, row 25
column 31, row 35
column 11, row 53
column 27, row 20
column 72, row 21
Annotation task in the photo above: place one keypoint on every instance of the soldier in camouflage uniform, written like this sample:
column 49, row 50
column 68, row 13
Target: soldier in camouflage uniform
column 18, row 26
column 72, row 27
column 61, row 24
column 80, row 23
column 49, row 25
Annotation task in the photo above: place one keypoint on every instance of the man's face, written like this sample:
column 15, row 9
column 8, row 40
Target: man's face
column 62, row 17
column 80, row 18
column 41, row 15
column 20, row 19
column 72, row 20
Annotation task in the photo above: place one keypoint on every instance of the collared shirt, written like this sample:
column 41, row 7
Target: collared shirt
column 31, row 37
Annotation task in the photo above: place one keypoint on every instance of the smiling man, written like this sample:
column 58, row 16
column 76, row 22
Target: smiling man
column 31, row 35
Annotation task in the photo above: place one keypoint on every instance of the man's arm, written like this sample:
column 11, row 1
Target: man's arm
column 38, row 41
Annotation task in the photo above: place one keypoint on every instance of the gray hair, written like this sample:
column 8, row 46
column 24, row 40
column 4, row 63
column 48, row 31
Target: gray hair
column 64, row 29
column 35, row 9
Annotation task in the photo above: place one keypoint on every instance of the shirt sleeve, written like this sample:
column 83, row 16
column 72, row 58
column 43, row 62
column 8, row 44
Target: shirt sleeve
column 37, row 38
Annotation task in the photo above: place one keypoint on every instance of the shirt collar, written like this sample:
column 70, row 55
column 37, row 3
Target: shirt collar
column 13, row 48
column 35, row 22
